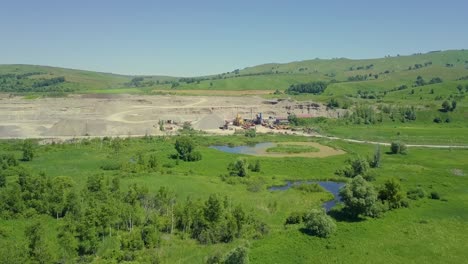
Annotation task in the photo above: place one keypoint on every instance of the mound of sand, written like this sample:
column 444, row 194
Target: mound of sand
column 211, row 121
column 73, row 127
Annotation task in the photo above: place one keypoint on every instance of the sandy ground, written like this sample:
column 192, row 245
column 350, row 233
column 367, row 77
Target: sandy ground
column 133, row 115
column 324, row 151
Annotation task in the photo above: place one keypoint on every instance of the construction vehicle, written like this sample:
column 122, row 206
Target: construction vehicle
column 238, row 121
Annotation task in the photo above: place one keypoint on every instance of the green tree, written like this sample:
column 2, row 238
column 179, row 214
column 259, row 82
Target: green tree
column 39, row 248
column 293, row 120
column 446, row 106
column 213, row 209
column 392, row 193
column 375, row 163
column 238, row 168
column 454, row 105
column 152, row 162
column 356, row 166
column 2, row 178
column 358, row 196
column 319, row 223
column 186, row 149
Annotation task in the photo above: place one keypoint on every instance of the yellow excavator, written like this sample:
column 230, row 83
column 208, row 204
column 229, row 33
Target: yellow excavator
column 238, row 121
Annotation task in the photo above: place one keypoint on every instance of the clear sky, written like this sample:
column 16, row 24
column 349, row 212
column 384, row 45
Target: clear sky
column 197, row 37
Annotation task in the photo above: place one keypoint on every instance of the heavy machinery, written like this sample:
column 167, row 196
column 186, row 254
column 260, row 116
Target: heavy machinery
column 238, row 121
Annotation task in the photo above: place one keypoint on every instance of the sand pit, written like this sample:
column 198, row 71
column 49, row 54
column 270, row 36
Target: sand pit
column 136, row 115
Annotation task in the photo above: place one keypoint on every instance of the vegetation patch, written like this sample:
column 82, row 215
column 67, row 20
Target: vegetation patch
column 289, row 148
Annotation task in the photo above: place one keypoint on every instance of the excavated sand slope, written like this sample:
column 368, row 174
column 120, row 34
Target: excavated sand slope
column 123, row 115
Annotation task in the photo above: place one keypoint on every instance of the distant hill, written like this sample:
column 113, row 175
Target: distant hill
column 345, row 75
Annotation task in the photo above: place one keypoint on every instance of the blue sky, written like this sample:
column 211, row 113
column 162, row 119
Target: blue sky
column 189, row 38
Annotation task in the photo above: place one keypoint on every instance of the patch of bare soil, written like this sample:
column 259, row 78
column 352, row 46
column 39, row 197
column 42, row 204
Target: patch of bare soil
column 324, row 151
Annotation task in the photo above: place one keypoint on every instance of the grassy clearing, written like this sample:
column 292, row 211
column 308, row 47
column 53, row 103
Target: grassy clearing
column 292, row 149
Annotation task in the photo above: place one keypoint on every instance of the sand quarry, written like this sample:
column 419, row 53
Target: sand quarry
column 134, row 115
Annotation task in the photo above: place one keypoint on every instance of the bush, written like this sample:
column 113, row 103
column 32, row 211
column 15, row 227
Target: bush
column 238, row 168
column 255, row 167
column 250, row 133
column 194, row 156
column 356, row 166
column 319, row 223
column 185, row 148
column 391, row 193
column 239, row 255
column 398, row 148
column 27, row 149
column 309, row 188
column 110, row 165
column 416, row 193
column 434, row 195
column 294, row 218
column 378, row 209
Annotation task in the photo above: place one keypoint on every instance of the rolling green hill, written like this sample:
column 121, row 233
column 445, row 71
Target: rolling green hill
column 373, row 74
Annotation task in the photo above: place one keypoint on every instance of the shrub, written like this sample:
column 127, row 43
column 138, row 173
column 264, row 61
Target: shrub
column 416, row 193
column 250, row 133
column 294, row 218
column 239, row 255
column 309, row 188
column 194, row 156
column 255, row 167
column 238, row 168
column 185, row 148
column 391, row 193
column 398, row 148
column 319, row 223
column 110, row 165
column 434, row 195
column 27, row 149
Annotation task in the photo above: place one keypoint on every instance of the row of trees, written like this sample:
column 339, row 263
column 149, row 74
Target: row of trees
column 21, row 83
column 312, row 87
column 421, row 82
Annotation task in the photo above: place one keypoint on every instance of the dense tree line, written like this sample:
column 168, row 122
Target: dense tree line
column 21, row 83
column 312, row 87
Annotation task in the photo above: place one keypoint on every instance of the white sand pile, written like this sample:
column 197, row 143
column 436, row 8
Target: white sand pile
column 211, row 121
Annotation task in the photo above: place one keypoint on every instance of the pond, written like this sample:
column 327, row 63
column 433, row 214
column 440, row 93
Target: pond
column 331, row 186
column 248, row 150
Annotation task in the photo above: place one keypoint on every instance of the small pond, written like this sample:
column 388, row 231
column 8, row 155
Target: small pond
column 333, row 187
column 249, row 150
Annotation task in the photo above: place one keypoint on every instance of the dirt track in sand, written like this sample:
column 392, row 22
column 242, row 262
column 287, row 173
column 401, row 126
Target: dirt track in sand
column 128, row 115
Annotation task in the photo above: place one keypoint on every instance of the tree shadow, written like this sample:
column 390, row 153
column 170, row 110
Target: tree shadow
column 343, row 216
column 306, row 231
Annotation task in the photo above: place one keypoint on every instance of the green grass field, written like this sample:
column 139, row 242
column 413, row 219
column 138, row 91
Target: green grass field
column 427, row 231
